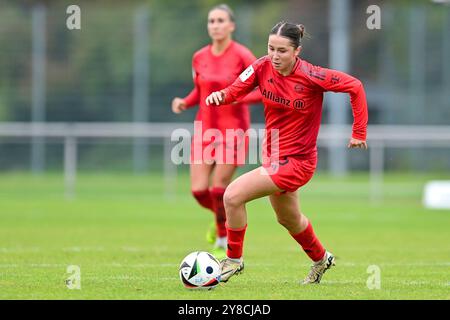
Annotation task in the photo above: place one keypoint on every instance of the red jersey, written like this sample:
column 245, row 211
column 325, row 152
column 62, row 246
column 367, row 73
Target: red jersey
column 293, row 103
column 212, row 73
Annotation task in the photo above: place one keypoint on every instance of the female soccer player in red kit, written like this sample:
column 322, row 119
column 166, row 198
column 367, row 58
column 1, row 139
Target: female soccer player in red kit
column 216, row 66
column 292, row 91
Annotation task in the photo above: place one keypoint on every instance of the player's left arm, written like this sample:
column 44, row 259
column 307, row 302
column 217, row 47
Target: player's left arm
column 337, row 81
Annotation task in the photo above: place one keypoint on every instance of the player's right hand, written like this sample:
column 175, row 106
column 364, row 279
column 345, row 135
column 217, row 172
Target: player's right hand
column 178, row 105
column 355, row 143
column 216, row 97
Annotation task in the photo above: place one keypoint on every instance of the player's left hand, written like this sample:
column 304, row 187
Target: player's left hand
column 355, row 143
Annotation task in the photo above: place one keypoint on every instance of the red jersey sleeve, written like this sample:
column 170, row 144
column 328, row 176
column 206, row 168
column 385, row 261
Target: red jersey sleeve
column 193, row 98
column 242, row 86
column 255, row 95
column 337, row 81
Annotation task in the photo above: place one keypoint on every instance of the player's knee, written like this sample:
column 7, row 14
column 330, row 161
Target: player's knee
column 287, row 222
column 283, row 221
column 231, row 197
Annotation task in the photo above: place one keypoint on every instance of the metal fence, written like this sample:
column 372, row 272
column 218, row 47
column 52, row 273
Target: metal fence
column 126, row 63
column 380, row 138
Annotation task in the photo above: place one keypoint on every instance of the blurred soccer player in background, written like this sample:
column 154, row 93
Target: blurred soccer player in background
column 214, row 67
column 292, row 91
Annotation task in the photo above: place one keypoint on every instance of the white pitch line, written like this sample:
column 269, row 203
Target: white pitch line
column 18, row 249
column 82, row 249
column 390, row 282
column 256, row 265
column 132, row 249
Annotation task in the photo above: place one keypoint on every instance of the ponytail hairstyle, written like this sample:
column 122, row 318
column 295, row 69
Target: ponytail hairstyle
column 294, row 32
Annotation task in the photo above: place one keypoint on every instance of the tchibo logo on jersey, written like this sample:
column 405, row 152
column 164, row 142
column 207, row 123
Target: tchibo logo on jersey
column 247, row 73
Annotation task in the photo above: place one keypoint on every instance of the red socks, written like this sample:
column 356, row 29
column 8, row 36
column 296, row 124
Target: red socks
column 235, row 242
column 219, row 209
column 310, row 243
column 213, row 200
column 307, row 239
column 204, row 198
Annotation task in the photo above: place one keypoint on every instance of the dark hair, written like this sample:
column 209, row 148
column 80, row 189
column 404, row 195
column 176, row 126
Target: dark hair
column 225, row 8
column 294, row 32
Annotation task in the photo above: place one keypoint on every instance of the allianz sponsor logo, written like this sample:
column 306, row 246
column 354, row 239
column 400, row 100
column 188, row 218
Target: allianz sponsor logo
column 271, row 96
column 298, row 104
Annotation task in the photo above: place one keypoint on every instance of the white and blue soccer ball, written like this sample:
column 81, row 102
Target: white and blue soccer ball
column 200, row 270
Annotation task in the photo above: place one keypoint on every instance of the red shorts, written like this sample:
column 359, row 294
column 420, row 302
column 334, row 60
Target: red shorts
column 219, row 151
column 290, row 173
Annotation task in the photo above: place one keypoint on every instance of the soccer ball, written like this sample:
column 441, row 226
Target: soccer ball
column 200, row 270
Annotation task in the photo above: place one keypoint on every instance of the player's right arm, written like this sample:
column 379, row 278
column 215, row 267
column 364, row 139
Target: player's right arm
column 192, row 99
column 242, row 86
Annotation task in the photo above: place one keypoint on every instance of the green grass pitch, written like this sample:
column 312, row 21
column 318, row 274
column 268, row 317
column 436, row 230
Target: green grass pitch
column 128, row 238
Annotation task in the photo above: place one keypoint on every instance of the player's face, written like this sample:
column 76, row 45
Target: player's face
column 281, row 53
column 220, row 26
